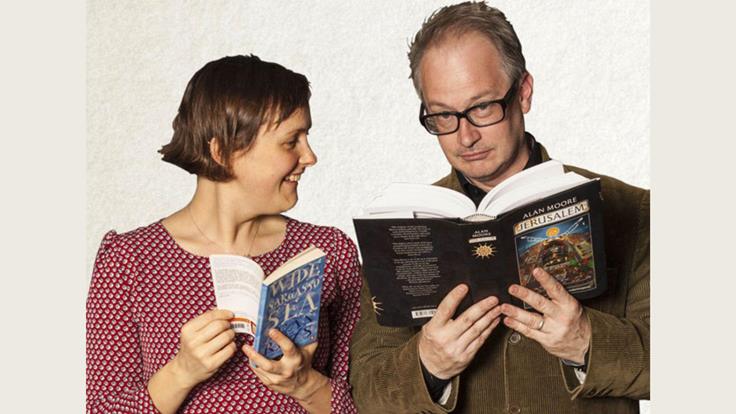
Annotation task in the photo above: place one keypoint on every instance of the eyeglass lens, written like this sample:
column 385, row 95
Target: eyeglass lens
column 481, row 115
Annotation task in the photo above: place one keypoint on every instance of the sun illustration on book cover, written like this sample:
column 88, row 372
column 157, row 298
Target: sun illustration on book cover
column 552, row 231
column 376, row 305
column 484, row 251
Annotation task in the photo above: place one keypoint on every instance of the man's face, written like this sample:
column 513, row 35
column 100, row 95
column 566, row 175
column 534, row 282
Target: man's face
column 460, row 72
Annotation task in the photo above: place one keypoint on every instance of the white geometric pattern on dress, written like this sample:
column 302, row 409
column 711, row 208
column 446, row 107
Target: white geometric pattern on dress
column 145, row 287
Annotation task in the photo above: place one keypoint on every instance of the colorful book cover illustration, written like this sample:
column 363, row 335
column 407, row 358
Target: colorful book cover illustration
column 288, row 299
column 561, row 243
column 291, row 305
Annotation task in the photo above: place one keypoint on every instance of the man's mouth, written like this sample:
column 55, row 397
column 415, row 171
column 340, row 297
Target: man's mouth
column 475, row 155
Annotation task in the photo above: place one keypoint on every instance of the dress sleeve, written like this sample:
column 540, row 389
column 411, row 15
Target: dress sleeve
column 619, row 351
column 115, row 382
column 346, row 313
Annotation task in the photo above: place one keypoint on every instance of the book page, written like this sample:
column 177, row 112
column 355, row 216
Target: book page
column 237, row 281
column 534, row 191
column 421, row 199
column 392, row 214
column 305, row 256
column 536, row 173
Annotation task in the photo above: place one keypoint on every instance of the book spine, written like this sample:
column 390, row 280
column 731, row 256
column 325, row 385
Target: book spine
column 485, row 261
column 261, row 337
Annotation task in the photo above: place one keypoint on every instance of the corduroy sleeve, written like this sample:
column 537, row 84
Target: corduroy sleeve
column 342, row 321
column 619, row 350
column 385, row 371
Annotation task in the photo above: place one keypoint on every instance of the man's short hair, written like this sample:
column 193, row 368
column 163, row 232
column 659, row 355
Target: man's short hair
column 229, row 100
column 463, row 18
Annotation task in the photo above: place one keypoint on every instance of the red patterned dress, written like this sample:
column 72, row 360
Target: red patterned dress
column 145, row 287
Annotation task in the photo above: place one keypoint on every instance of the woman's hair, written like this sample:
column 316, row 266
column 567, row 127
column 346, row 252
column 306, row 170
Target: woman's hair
column 229, row 100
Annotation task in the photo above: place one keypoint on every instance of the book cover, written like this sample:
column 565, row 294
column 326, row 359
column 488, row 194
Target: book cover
column 411, row 263
column 563, row 234
column 291, row 304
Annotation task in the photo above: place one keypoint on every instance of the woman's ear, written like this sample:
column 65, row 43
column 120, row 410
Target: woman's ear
column 215, row 153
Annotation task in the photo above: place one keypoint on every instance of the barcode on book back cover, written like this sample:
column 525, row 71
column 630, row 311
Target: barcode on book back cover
column 241, row 327
column 424, row 313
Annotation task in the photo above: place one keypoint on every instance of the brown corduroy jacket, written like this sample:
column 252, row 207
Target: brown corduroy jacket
column 513, row 374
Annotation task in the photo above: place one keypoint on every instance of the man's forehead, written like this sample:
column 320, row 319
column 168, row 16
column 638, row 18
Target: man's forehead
column 460, row 70
column 445, row 101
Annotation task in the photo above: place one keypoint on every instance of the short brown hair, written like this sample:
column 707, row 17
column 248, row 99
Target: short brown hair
column 229, row 100
column 463, row 18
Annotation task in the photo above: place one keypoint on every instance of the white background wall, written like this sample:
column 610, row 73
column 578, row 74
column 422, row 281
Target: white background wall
column 590, row 61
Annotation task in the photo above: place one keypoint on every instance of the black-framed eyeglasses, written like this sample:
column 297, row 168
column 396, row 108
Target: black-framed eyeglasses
column 480, row 115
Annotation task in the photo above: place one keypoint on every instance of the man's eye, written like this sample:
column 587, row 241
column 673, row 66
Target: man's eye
column 486, row 109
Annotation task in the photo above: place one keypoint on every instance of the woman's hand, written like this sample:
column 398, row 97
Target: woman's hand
column 206, row 342
column 293, row 374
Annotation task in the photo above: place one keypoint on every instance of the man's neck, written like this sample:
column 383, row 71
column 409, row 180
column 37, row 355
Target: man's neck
column 516, row 167
column 476, row 192
column 521, row 161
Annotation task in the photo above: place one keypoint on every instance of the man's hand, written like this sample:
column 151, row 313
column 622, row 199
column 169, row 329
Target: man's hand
column 562, row 328
column 446, row 345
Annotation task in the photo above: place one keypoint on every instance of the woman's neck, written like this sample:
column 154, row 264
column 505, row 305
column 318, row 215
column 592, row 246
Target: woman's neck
column 220, row 217
column 215, row 221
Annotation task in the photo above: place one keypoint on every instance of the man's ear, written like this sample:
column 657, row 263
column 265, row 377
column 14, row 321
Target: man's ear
column 526, row 90
column 215, row 153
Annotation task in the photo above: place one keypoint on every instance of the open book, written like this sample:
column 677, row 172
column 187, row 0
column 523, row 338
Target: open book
column 419, row 241
column 401, row 200
column 288, row 299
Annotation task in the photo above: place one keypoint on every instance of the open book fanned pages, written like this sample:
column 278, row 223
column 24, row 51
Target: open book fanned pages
column 288, row 299
column 419, row 241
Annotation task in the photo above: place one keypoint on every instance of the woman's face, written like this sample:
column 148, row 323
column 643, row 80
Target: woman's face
column 269, row 171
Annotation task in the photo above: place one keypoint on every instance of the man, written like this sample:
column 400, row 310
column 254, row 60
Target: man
column 563, row 356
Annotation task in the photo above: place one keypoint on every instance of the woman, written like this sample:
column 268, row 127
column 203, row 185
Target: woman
column 155, row 343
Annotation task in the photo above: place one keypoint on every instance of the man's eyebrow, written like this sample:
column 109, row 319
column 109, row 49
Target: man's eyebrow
column 438, row 105
column 485, row 95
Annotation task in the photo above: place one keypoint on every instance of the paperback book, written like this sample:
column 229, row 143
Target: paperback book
column 420, row 241
column 288, row 299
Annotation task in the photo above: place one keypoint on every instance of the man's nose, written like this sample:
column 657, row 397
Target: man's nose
column 467, row 133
